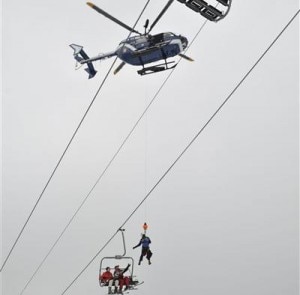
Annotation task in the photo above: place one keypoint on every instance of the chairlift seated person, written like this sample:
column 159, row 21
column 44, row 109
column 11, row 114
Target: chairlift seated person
column 107, row 279
column 116, row 279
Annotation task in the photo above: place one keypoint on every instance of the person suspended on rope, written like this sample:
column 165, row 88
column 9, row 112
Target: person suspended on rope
column 145, row 242
column 107, row 279
column 122, row 280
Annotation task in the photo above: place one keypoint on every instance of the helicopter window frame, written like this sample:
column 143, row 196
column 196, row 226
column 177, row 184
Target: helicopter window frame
column 168, row 36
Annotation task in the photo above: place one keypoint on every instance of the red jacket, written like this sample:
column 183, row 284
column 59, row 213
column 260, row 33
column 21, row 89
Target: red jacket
column 106, row 276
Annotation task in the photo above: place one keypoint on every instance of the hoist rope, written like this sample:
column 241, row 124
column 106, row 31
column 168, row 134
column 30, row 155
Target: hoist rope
column 185, row 149
column 107, row 166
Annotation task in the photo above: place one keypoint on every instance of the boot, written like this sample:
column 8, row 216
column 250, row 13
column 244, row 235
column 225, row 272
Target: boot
column 109, row 290
column 116, row 290
column 149, row 262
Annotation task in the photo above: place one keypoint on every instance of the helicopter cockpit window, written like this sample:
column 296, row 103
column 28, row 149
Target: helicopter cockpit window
column 157, row 38
column 168, row 36
column 134, row 40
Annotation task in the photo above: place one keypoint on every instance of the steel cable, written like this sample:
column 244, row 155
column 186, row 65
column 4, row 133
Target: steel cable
column 107, row 166
column 185, row 149
column 66, row 149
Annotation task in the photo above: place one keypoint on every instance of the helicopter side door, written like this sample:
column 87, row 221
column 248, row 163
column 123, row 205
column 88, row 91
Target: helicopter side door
column 156, row 39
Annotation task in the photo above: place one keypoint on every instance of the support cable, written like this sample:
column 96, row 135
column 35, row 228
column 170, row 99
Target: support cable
column 66, row 149
column 107, row 166
column 185, row 149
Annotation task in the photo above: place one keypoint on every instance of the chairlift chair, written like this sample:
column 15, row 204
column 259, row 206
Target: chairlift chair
column 123, row 261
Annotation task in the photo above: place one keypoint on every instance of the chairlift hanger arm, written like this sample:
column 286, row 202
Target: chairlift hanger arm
column 99, row 10
column 161, row 14
column 123, row 238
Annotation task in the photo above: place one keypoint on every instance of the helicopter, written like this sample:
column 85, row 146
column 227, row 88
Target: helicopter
column 139, row 50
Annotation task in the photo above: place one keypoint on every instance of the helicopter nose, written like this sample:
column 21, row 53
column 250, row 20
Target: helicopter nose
column 184, row 41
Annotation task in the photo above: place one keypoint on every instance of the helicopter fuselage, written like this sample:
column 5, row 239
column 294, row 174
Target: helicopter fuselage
column 141, row 50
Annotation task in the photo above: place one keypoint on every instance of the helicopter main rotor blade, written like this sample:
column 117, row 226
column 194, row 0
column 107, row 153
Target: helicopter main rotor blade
column 99, row 10
column 121, row 65
column 161, row 14
column 185, row 57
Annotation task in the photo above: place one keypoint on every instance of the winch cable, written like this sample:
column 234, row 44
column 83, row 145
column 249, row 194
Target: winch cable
column 185, row 149
column 107, row 166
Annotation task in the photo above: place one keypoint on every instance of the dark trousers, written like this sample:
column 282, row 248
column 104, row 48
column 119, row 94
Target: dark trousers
column 146, row 252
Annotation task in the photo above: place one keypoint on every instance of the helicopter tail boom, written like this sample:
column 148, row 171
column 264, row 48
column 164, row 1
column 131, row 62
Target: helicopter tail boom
column 98, row 57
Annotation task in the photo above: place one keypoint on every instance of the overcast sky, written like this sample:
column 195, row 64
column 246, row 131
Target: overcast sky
column 223, row 221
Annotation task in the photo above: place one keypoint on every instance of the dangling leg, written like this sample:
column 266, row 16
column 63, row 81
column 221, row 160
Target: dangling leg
column 141, row 257
column 126, row 283
column 149, row 254
column 110, row 283
column 121, row 281
column 116, row 286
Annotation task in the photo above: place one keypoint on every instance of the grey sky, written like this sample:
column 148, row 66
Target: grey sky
column 224, row 220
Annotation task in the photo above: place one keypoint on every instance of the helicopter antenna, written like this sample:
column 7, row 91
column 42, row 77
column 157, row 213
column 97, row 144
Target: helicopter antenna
column 146, row 25
column 161, row 14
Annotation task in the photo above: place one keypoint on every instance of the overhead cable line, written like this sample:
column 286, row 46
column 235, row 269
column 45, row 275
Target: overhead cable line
column 67, row 147
column 108, row 165
column 183, row 152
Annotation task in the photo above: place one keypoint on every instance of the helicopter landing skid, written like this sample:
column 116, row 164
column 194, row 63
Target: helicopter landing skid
column 156, row 68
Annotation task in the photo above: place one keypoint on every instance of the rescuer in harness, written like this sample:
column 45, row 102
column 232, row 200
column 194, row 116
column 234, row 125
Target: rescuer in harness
column 145, row 242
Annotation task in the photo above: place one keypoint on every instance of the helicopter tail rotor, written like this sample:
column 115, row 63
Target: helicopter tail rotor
column 81, row 57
